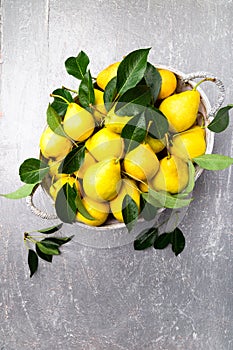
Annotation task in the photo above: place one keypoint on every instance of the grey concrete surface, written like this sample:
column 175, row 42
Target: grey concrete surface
column 113, row 299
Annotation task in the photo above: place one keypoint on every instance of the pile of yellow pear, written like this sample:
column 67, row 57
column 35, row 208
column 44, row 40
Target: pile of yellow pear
column 108, row 172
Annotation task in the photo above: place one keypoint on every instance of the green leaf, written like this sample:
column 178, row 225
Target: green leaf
column 72, row 161
column 133, row 101
column 162, row 241
column 50, row 230
column 145, row 239
column 82, row 209
column 21, row 192
column 134, row 132
column 86, row 91
column 153, row 80
column 189, row 188
column 65, row 204
column 33, row 170
column 177, row 241
column 165, row 199
column 59, row 241
column 221, row 120
column 110, row 93
column 129, row 212
column 131, row 70
column 148, row 211
column 159, row 125
column 48, row 247
column 77, row 66
column 59, row 105
column 54, row 121
column 213, row 161
column 32, row 262
column 43, row 256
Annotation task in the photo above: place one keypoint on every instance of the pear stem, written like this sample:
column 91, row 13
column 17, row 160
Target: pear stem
column 148, row 128
column 167, row 145
column 201, row 81
column 71, row 90
column 96, row 109
column 61, row 97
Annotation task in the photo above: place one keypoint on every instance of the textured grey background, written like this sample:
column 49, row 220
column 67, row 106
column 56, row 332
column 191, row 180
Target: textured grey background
column 113, row 299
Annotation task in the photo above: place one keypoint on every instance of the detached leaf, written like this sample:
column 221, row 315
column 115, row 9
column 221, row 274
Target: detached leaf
column 48, row 247
column 72, row 161
column 110, row 93
column 134, row 101
column 134, row 132
column 21, row 192
column 177, row 241
column 59, row 105
column 86, row 91
column 54, row 121
column 60, row 241
column 153, row 80
column 159, row 125
column 43, row 256
column 129, row 212
column 51, row 229
column 162, row 241
column 65, row 204
column 221, row 120
column 145, row 239
column 32, row 261
column 131, row 70
column 213, row 161
column 33, row 170
column 77, row 66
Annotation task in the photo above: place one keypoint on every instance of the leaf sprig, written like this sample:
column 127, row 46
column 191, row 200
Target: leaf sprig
column 45, row 248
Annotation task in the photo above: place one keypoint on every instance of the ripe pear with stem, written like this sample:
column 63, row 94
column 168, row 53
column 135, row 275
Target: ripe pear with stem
column 78, row 123
column 181, row 109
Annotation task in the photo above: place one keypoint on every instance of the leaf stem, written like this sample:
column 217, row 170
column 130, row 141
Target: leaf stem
column 61, row 97
column 71, row 90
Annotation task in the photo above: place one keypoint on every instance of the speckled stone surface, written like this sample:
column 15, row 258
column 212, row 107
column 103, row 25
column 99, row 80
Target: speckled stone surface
column 113, row 299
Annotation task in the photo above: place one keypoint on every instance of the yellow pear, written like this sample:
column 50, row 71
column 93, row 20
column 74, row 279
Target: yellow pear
column 56, row 186
column 99, row 211
column 101, row 180
column 104, row 77
column 189, row 144
column 141, row 163
column 173, row 175
column 168, row 84
column 53, row 145
column 114, row 122
column 88, row 161
column 100, row 110
column 105, row 144
column 181, row 109
column 78, row 123
column 157, row 145
column 127, row 187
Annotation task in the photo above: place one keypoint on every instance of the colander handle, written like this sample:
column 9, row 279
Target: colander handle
column 37, row 211
column 216, row 81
